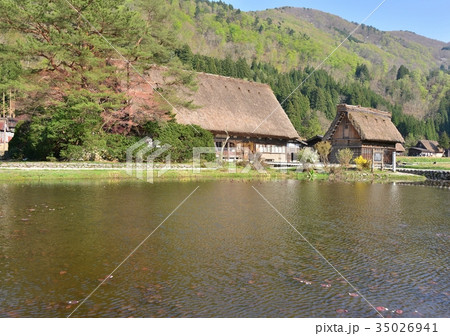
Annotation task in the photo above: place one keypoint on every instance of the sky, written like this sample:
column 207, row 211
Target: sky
column 430, row 18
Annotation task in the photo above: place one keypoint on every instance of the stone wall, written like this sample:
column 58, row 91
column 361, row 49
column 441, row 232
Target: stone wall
column 429, row 174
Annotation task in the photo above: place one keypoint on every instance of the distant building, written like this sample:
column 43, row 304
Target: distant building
column 400, row 149
column 244, row 116
column 426, row 148
column 314, row 140
column 7, row 127
column 367, row 132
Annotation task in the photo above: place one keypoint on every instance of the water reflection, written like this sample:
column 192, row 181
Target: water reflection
column 226, row 252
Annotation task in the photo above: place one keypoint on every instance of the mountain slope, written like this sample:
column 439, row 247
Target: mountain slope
column 296, row 38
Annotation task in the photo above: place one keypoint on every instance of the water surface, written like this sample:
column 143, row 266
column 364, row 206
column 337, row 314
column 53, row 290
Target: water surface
column 225, row 252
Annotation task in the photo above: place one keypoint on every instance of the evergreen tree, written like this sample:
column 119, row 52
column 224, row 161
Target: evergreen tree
column 444, row 140
column 402, row 72
column 362, row 73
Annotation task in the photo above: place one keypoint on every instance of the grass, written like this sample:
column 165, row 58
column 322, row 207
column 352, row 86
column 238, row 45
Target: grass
column 18, row 175
column 414, row 162
column 35, row 175
column 377, row 176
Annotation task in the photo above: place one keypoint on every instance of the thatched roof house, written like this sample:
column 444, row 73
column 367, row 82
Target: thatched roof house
column 229, row 104
column 245, row 111
column 367, row 131
column 426, row 148
column 369, row 123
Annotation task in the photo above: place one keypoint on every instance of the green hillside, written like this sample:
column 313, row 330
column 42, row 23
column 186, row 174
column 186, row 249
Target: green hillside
column 291, row 38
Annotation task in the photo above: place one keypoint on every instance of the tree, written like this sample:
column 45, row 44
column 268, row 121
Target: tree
column 444, row 140
column 344, row 156
column 323, row 149
column 362, row 73
column 242, row 69
column 402, row 72
column 185, row 54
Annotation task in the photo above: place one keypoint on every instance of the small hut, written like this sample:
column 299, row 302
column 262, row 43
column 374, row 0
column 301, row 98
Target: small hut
column 7, row 127
column 426, row 148
column 366, row 131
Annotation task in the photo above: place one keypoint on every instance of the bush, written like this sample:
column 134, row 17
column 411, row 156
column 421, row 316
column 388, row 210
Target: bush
column 344, row 156
column 362, row 163
column 183, row 139
column 323, row 149
column 308, row 155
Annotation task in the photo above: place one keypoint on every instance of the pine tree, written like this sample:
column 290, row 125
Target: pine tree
column 444, row 140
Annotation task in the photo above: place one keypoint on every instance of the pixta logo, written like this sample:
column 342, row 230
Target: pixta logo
column 146, row 150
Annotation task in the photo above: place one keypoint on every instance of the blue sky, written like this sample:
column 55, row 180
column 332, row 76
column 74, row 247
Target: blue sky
column 430, row 18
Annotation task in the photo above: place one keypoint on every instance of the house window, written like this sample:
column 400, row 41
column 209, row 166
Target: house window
column 346, row 131
column 218, row 144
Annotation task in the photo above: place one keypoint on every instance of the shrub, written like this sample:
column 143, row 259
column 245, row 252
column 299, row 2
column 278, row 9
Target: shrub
column 308, row 155
column 362, row 163
column 183, row 139
column 344, row 156
column 323, row 149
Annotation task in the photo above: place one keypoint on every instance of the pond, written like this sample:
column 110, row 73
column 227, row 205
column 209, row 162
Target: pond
column 225, row 252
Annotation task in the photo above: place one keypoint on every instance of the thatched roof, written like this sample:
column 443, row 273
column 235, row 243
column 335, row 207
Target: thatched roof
column 430, row 146
column 371, row 124
column 399, row 148
column 227, row 104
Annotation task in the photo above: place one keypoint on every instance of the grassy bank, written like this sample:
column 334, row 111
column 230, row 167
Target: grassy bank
column 36, row 175
column 18, row 175
column 423, row 163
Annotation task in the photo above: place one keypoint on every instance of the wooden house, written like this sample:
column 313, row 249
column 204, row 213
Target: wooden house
column 366, row 131
column 244, row 117
column 426, row 148
column 311, row 142
column 7, row 127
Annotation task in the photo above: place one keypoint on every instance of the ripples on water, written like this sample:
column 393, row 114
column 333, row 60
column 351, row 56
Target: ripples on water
column 225, row 252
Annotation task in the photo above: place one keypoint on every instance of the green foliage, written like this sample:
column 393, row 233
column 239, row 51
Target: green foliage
column 70, row 131
column 402, row 72
column 344, row 156
column 444, row 140
column 362, row 73
column 362, row 163
column 182, row 139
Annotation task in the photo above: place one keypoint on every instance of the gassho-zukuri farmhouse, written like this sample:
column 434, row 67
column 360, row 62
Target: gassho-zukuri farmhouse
column 245, row 117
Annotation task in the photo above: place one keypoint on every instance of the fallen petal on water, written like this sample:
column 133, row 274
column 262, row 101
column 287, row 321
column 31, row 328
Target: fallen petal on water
column 341, row 311
column 353, row 294
column 381, row 308
column 399, row 311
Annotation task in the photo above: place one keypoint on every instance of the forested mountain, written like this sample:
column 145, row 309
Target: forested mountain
column 402, row 69
column 59, row 63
